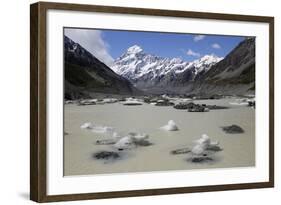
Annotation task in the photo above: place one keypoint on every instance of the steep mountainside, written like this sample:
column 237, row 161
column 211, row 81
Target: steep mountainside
column 235, row 74
column 86, row 75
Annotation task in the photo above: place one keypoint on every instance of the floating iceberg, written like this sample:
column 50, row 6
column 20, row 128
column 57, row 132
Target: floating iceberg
column 96, row 128
column 198, row 149
column 116, row 136
column 131, row 141
column 110, row 100
column 171, row 126
column 140, row 137
column 203, row 151
column 124, row 143
column 87, row 102
column 87, row 125
column 204, row 140
column 240, row 102
column 102, row 129
column 204, row 144
column 132, row 102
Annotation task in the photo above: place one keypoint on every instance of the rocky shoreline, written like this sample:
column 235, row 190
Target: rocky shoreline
column 177, row 102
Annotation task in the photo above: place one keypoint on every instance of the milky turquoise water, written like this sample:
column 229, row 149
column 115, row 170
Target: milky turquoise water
column 79, row 144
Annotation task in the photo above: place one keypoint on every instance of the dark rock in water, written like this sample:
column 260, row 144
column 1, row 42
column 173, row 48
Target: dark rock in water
column 181, row 106
column 214, row 148
column 164, row 103
column 147, row 99
column 216, row 107
column 106, row 155
column 185, row 106
column 122, row 99
column 143, row 143
column 181, row 151
column 192, row 107
column 201, row 159
column 198, row 108
column 215, row 97
column 252, row 104
column 233, row 129
column 105, row 142
column 132, row 103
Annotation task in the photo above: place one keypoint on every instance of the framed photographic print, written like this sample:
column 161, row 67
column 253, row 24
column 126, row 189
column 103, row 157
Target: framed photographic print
column 134, row 102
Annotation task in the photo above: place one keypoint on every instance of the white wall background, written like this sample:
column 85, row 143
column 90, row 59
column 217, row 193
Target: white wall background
column 14, row 103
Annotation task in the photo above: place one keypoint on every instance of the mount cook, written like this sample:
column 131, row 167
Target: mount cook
column 234, row 74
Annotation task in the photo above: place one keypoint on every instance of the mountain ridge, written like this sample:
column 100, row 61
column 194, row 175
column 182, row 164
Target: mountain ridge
column 85, row 75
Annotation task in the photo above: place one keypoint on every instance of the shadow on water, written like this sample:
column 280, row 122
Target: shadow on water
column 205, row 159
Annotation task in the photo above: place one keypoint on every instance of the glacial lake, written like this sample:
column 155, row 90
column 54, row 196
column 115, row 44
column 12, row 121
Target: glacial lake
column 238, row 150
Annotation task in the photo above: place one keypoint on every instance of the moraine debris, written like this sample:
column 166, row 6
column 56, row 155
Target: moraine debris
column 106, row 155
column 105, row 142
column 180, row 151
column 233, row 129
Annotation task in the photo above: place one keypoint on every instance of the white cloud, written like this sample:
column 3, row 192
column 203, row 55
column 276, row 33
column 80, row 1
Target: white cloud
column 192, row 53
column 92, row 41
column 198, row 38
column 216, row 46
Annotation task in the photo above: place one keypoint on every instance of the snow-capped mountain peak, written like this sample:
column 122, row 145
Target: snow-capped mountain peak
column 207, row 59
column 206, row 62
column 134, row 49
column 140, row 67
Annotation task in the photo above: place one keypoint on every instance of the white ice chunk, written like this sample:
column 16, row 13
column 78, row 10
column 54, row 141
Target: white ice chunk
column 171, row 126
column 202, row 144
column 240, row 102
column 131, row 141
column 96, row 128
column 115, row 135
column 214, row 143
column 204, row 140
column 87, row 125
column 198, row 149
column 131, row 101
column 110, row 100
column 102, row 129
column 124, row 143
column 140, row 138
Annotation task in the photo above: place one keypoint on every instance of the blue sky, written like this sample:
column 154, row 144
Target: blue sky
column 108, row 45
column 170, row 44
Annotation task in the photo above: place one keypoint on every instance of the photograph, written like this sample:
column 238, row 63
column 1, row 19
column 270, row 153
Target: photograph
column 143, row 101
